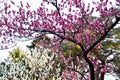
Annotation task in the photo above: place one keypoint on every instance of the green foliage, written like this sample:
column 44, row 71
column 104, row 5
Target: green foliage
column 16, row 54
column 111, row 47
column 37, row 40
column 71, row 49
column 116, row 33
column 22, row 65
column 37, row 65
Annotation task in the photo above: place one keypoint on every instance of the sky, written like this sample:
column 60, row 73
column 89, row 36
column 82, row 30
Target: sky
column 35, row 4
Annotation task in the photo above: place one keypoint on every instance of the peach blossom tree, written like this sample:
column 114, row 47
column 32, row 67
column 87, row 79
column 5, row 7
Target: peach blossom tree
column 68, row 20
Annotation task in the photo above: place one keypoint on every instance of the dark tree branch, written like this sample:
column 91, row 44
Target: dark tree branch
column 57, row 34
column 104, row 36
column 85, row 53
column 91, row 66
column 77, row 72
column 56, row 6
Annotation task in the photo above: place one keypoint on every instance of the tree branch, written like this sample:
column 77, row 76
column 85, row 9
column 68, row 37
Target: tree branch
column 77, row 72
column 57, row 34
column 104, row 36
column 55, row 4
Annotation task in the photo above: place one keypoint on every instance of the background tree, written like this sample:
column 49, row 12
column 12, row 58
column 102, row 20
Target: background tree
column 74, row 26
column 28, row 66
column 16, row 54
column 66, row 63
column 101, row 56
column 110, row 50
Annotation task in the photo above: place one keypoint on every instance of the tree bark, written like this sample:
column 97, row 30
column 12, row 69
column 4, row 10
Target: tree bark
column 102, row 76
column 91, row 67
column 102, row 73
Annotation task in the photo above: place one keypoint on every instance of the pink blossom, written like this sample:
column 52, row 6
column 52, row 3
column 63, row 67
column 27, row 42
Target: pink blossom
column 27, row 5
column 103, row 69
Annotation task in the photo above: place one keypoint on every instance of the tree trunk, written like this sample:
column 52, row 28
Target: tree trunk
column 91, row 67
column 102, row 73
column 97, row 74
column 102, row 76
